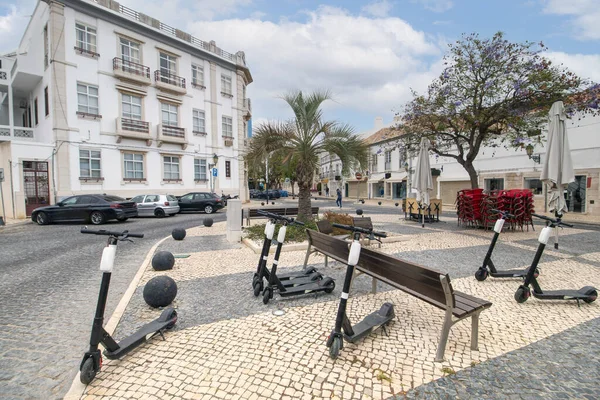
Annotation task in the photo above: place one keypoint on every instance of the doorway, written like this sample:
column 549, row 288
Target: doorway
column 36, row 185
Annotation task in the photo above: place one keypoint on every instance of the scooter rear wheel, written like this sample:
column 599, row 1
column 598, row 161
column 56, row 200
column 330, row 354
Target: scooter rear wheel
column 316, row 277
column 593, row 295
column 481, row 275
column 88, row 371
column 334, row 349
column 172, row 314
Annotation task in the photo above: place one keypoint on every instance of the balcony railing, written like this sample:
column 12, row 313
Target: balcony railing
column 23, row 132
column 171, row 79
column 3, row 75
column 131, row 67
column 134, row 125
column 173, row 131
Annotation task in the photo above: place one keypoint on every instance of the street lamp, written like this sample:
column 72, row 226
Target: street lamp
column 536, row 158
column 210, row 167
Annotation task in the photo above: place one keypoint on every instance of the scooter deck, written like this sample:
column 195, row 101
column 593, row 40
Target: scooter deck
column 369, row 323
column 298, row 281
column 510, row 273
column 294, row 275
column 314, row 286
column 139, row 337
column 560, row 295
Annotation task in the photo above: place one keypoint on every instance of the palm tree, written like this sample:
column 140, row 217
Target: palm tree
column 303, row 138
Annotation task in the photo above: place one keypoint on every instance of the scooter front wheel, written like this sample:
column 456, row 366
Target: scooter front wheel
column 267, row 295
column 481, row 275
column 258, row 287
column 334, row 349
column 88, row 371
column 522, row 294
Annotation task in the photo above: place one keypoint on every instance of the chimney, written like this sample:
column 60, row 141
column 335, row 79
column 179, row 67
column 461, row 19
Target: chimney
column 378, row 123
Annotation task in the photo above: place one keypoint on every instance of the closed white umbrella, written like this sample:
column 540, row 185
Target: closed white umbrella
column 422, row 180
column 558, row 165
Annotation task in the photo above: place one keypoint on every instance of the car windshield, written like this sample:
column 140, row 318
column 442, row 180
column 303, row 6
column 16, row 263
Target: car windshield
column 171, row 198
column 113, row 198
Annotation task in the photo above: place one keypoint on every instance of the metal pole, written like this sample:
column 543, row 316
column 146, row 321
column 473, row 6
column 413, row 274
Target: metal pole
column 12, row 189
column 267, row 178
column 3, row 209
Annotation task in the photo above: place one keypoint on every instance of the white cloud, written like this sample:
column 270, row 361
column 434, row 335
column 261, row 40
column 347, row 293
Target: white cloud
column 436, row 5
column 13, row 21
column 368, row 63
column 585, row 15
column 378, row 8
column 584, row 65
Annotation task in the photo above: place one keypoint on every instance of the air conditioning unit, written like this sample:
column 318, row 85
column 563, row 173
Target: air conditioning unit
column 228, row 142
column 388, row 175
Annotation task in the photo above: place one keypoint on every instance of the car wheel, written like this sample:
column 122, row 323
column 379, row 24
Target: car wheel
column 41, row 218
column 97, row 218
column 159, row 212
column 208, row 209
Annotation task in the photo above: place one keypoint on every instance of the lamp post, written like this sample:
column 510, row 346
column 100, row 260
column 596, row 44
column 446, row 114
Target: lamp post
column 215, row 160
column 536, row 158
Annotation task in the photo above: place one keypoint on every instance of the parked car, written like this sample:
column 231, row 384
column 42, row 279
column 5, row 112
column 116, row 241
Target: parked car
column 200, row 201
column 254, row 193
column 157, row 205
column 273, row 194
column 95, row 208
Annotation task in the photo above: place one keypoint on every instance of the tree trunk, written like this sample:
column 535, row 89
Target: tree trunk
column 472, row 174
column 304, row 203
column 293, row 183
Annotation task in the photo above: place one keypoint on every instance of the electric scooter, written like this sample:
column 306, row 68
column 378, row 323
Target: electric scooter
column 380, row 318
column 587, row 293
column 92, row 359
column 488, row 267
column 290, row 278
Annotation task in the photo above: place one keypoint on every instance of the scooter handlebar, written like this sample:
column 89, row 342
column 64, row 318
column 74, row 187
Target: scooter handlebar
column 359, row 229
column 552, row 220
column 279, row 217
column 505, row 214
column 104, row 232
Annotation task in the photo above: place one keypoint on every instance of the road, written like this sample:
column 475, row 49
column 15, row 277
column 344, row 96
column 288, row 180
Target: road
column 49, row 281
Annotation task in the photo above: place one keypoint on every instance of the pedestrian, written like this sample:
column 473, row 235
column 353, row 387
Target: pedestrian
column 338, row 201
column 327, row 191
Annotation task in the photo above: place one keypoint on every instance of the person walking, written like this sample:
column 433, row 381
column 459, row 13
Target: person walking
column 327, row 191
column 338, row 201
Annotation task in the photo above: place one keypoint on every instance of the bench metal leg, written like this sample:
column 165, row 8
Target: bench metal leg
column 475, row 331
column 308, row 253
column 439, row 356
column 374, row 285
column 326, row 259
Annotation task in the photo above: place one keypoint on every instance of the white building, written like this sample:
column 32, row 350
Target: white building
column 390, row 169
column 102, row 98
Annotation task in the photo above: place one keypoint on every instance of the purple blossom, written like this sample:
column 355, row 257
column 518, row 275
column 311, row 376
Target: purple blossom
column 457, row 103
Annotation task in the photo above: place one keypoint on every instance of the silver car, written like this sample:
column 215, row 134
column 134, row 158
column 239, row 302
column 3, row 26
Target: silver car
column 157, row 205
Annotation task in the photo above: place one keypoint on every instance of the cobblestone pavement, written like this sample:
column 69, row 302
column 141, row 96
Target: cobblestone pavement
column 49, row 282
column 229, row 345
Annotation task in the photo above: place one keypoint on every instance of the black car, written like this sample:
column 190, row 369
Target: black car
column 200, row 201
column 95, row 208
column 273, row 194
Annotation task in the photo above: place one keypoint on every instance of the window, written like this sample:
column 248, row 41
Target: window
column 46, row 61
column 87, row 99
column 71, row 201
column 168, row 68
column 198, row 122
column 86, row 38
column 138, row 199
column 227, row 126
column 169, row 114
column 388, row 160
column 197, row 75
column 171, row 168
column 227, row 169
column 152, row 198
column 534, row 184
column 494, row 184
column 46, row 102
column 35, row 112
column 200, row 170
column 226, row 84
column 134, row 166
column 89, row 164
column 131, row 106
column 130, row 50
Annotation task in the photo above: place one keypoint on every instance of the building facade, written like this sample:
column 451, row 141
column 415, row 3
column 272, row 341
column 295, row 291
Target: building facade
column 391, row 168
column 102, row 98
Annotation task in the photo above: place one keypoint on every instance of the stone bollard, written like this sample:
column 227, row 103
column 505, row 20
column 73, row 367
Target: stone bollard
column 234, row 221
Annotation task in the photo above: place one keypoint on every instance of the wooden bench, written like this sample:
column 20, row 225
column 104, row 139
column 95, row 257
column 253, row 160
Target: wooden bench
column 421, row 282
column 366, row 223
column 287, row 211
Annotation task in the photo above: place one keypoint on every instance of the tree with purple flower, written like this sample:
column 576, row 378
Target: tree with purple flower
column 492, row 93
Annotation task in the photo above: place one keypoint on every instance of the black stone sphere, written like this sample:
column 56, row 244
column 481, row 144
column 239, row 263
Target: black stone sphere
column 359, row 211
column 396, row 204
column 178, row 233
column 163, row 260
column 160, row 291
column 273, row 203
column 262, row 203
column 208, row 222
column 379, row 202
column 362, row 201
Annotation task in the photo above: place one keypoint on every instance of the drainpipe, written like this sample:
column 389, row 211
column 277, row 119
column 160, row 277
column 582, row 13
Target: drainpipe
column 12, row 189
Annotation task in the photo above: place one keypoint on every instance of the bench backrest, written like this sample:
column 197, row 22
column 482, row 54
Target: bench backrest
column 425, row 283
column 324, row 226
column 253, row 212
column 362, row 222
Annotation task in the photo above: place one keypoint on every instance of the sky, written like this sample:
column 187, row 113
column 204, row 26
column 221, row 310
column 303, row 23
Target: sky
column 369, row 54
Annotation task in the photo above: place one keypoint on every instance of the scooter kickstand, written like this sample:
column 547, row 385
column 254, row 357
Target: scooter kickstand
column 161, row 335
column 385, row 331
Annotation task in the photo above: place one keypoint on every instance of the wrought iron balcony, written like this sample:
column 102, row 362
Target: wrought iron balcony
column 131, row 70
column 167, row 81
